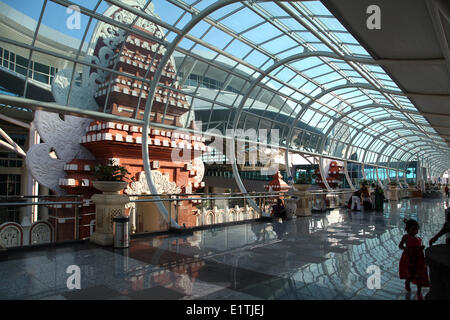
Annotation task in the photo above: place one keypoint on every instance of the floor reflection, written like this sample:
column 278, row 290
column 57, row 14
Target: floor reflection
column 325, row 256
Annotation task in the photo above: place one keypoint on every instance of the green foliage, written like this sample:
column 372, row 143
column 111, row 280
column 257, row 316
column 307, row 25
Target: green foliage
column 110, row 172
column 365, row 182
column 303, row 179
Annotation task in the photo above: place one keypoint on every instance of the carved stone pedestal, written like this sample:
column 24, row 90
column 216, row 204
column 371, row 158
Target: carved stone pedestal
column 403, row 193
column 291, row 206
column 304, row 203
column 107, row 207
column 392, row 193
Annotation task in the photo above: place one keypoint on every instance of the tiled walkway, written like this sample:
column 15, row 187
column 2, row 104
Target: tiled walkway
column 325, row 256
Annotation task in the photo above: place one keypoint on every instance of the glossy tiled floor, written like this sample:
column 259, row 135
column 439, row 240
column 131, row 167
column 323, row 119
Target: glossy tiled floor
column 322, row 257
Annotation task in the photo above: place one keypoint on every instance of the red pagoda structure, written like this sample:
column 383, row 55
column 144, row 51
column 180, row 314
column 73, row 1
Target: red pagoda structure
column 333, row 177
column 127, row 97
column 277, row 184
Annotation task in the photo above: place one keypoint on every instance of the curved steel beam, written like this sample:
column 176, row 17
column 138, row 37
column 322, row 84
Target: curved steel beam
column 408, row 150
column 435, row 152
column 356, row 135
column 376, row 138
column 324, row 92
column 348, row 113
column 156, row 78
column 401, row 137
column 347, row 176
column 426, row 148
column 434, row 163
column 437, row 157
column 296, row 57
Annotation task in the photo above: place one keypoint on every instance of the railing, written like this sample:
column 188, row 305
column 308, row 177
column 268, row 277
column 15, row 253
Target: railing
column 47, row 219
column 198, row 210
column 324, row 200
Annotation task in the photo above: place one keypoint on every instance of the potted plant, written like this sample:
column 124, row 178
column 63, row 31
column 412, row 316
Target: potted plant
column 393, row 184
column 365, row 183
column 303, row 182
column 110, row 177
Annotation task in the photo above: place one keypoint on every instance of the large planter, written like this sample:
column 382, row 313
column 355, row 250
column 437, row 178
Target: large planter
column 393, row 193
column 302, row 187
column 108, row 206
column 109, row 187
column 291, row 206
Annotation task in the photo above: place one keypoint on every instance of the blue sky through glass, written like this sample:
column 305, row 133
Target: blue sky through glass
column 254, row 45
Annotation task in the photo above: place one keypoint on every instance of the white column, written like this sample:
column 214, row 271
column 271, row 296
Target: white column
column 32, row 188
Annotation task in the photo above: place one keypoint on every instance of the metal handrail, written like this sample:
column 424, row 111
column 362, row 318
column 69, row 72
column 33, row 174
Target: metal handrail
column 145, row 195
column 41, row 196
column 3, row 204
column 179, row 197
column 172, row 198
column 223, row 193
column 202, row 199
column 334, row 192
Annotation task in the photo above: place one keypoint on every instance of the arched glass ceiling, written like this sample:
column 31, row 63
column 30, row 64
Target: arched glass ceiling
column 317, row 84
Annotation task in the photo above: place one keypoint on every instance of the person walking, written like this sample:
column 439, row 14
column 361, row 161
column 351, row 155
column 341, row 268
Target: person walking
column 279, row 210
column 365, row 195
column 379, row 199
column 372, row 196
column 356, row 201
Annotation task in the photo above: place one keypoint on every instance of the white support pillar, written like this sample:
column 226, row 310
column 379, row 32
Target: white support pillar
column 31, row 214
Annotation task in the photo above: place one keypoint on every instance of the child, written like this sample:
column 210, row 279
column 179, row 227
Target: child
column 279, row 211
column 412, row 263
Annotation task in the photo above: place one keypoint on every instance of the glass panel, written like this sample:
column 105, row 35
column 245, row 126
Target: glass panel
column 411, row 173
column 355, row 173
column 334, row 173
column 371, row 174
column 306, row 170
column 383, row 176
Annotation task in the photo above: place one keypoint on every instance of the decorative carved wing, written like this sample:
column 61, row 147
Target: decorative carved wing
column 199, row 167
column 43, row 168
column 162, row 184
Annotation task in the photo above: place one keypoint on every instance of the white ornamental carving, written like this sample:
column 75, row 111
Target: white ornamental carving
column 199, row 167
column 139, row 4
column 81, row 97
column 11, row 235
column 63, row 136
column 112, row 38
column 162, row 184
column 41, row 232
column 184, row 283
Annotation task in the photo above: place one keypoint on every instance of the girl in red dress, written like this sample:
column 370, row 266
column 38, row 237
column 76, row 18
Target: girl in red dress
column 412, row 263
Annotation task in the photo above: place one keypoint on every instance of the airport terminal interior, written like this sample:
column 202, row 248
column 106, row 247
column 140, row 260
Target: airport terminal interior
column 224, row 150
